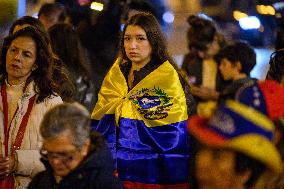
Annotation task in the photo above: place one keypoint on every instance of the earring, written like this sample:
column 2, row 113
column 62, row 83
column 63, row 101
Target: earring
column 34, row 68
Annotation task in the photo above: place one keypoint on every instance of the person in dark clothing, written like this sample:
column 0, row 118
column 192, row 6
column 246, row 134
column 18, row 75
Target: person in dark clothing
column 200, row 65
column 237, row 61
column 51, row 14
column 73, row 156
column 66, row 45
column 99, row 33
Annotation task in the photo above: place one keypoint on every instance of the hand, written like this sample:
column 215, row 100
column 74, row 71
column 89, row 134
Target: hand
column 7, row 165
column 204, row 93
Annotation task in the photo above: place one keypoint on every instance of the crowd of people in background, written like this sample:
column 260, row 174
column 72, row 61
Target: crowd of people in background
column 85, row 104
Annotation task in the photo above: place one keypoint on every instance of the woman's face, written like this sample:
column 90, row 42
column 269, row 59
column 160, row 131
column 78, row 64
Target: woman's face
column 137, row 47
column 213, row 48
column 20, row 59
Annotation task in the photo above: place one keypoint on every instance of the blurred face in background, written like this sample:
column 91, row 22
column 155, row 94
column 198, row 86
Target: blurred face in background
column 228, row 70
column 20, row 59
column 137, row 46
column 215, row 169
column 50, row 20
column 213, row 48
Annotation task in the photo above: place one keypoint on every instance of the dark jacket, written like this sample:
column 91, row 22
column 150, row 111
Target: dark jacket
column 101, row 39
column 96, row 172
column 193, row 67
column 231, row 90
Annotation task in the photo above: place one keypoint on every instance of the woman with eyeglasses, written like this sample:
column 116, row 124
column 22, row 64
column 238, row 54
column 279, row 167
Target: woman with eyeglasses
column 73, row 156
column 27, row 93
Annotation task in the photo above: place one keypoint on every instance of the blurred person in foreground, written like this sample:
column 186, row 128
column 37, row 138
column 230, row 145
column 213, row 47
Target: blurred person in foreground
column 74, row 156
column 232, row 148
column 267, row 97
column 27, row 93
column 65, row 87
column 142, row 110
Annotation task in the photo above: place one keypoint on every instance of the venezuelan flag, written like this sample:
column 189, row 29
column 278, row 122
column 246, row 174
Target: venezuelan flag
column 145, row 128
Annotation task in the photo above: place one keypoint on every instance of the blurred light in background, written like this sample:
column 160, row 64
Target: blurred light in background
column 278, row 5
column 97, row 6
column 204, row 16
column 83, row 2
column 21, row 8
column 265, row 9
column 262, row 58
column 251, row 22
column 238, row 15
column 168, row 17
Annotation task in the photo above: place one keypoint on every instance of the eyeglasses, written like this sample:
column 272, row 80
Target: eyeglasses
column 65, row 157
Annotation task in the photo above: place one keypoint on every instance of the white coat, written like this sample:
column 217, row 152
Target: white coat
column 28, row 155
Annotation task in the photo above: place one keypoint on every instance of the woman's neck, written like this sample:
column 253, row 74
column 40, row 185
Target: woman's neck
column 15, row 81
column 137, row 66
column 134, row 67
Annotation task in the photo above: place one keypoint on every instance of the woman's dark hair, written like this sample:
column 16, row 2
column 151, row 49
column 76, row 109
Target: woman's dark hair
column 42, row 76
column 64, row 86
column 200, row 33
column 48, row 9
column 276, row 69
column 66, row 44
column 240, row 52
column 27, row 20
column 154, row 35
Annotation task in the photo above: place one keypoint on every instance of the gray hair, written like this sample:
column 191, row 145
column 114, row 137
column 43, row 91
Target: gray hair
column 67, row 117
